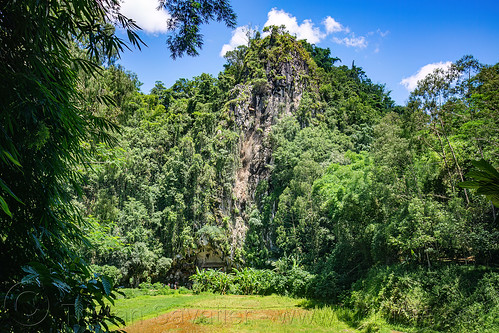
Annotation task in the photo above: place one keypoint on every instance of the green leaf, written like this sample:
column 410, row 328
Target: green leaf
column 9, row 191
column 469, row 184
column 479, row 175
column 109, row 299
column 487, row 167
column 106, row 284
column 37, row 243
column 5, row 207
column 61, row 285
column 11, row 158
column 486, row 181
column 78, row 329
column 104, row 325
column 488, row 189
column 78, row 307
column 100, row 302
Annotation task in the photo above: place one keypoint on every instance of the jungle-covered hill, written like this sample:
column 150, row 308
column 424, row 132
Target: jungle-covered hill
column 292, row 161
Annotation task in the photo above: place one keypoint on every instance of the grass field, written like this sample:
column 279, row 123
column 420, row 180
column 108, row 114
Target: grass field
column 231, row 313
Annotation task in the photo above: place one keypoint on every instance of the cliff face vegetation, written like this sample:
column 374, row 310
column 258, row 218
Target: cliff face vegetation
column 261, row 101
column 191, row 158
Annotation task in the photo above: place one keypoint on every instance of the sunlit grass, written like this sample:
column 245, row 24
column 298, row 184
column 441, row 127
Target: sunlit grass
column 145, row 307
column 235, row 313
column 247, row 302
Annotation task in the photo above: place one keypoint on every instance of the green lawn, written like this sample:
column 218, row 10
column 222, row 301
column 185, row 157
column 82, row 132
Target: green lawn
column 145, row 307
column 231, row 313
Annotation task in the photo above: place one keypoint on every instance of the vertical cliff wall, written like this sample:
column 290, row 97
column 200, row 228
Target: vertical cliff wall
column 257, row 105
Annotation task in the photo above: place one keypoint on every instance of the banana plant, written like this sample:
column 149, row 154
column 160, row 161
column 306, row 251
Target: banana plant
column 486, row 181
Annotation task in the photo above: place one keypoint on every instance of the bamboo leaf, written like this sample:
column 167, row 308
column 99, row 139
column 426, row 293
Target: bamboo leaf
column 5, row 207
column 9, row 191
column 11, row 158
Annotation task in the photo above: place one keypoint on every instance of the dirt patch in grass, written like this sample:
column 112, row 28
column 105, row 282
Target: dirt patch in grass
column 241, row 314
column 202, row 320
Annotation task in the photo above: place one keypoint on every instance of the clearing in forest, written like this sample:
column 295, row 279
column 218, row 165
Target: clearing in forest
column 230, row 313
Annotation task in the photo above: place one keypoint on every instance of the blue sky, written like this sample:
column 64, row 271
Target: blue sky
column 395, row 42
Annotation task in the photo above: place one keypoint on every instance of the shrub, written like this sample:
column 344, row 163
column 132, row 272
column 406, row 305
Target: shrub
column 212, row 281
column 291, row 278
column 449, row 298
column 180, row 290
column 247, row 281
column 250, row 281
column 112, row 272
column 152, row 290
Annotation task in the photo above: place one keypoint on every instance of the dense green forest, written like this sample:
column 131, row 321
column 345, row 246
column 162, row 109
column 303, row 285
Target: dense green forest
column 288, row 173
column 290, row 163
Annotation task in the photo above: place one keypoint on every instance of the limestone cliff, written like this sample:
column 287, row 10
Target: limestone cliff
column 257, row 105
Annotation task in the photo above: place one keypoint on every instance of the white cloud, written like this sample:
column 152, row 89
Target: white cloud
column 383, row 33
column 333, row 26
column 353, row 41
column 306, row 30
column 146, row 15
column 239, row 37
column 411, row 82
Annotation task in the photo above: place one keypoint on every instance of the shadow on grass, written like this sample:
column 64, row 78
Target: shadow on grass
column 354, row 319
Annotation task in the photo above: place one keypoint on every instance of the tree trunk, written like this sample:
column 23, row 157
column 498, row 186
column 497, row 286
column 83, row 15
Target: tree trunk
column 444, row 155
column 454, row 156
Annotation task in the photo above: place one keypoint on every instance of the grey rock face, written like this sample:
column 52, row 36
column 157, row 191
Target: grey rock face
column 258, row 105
